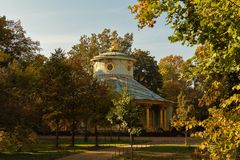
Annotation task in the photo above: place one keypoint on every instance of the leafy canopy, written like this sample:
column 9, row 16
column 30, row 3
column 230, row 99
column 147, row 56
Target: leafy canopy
column 146, row 70
column 14, row 42
column 126, row 113
column 215, row 27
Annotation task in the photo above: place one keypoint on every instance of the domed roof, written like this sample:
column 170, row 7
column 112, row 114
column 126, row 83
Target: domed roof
column 113, row 55
column 135, row 89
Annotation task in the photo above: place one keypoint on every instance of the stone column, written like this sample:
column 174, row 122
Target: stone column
column 165, row 119
column 161, row 118
column 147, row 118
column 148, row 106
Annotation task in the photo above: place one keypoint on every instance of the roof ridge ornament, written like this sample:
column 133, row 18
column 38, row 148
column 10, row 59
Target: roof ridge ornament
column 114, row 44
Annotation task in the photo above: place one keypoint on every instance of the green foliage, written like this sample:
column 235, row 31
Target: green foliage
column 4, row 58
column 63, row 84
column 13, row 41
column 18, row 84
column 220, row 97
column 53, row 82
column 146, row 70
column 70, row 95
column 194, row 22
column 58, row 90
column 101, row 96
column 18, row 138
column 214, row 25
column 98, row 103
column 90, row 46
column 19, row 102
column 184, row 116
column 170, row 68
column 127, row 112
column 4, row 140
column 222, row 129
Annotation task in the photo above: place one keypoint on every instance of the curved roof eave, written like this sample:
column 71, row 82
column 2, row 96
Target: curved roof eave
column 113, row 55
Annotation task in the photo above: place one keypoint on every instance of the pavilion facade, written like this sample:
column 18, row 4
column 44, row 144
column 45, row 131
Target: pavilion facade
column 117, row 69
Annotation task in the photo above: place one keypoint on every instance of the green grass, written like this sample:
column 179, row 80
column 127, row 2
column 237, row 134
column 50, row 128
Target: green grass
column 45, row 150
column 32, row 156
column 155, row 158
column 169, row 149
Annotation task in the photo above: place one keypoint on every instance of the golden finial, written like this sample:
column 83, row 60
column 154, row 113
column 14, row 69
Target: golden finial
column 114, row 44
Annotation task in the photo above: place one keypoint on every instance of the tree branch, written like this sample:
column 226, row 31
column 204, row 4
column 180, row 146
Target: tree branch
column 234, row 3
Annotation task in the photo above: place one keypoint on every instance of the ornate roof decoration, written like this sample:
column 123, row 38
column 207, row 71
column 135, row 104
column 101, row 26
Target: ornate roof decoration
column 114, row 44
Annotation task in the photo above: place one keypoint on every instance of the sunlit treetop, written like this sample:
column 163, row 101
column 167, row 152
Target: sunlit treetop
column 194, row 21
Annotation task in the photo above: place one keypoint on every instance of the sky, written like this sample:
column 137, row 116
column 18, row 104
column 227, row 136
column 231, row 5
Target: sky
column 60, row 23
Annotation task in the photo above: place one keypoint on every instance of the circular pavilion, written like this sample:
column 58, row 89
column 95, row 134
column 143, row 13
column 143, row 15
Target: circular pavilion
column 116, row 69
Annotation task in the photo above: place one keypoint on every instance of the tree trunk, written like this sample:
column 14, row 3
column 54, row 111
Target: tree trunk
column 185, row 139
column 118, row 132
column 57, row 136
column 73, row 134
column 237, row 157
column 96, row 134
column 85, row 133
column 131, row 142
column 105, row 139
column 111, row 139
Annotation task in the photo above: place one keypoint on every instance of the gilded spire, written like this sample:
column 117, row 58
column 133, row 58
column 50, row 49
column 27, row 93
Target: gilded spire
column 114, row 44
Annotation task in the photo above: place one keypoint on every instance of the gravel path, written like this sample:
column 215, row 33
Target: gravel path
column 103, row 154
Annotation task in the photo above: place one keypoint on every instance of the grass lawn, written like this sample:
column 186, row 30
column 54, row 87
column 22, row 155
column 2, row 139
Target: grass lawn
column 41, row 155
column 170, row 148
column 164, row 152
column 45, row 150
column 156, row 158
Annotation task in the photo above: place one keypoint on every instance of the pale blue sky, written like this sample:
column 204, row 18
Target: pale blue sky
column 60, row 23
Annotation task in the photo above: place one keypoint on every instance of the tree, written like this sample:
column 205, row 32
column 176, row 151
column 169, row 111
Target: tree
column 146, row 70
column 77, row 94
column 18, row 104
column 219, row 93
column 194, row 22
column 54, row 82
column 128, row 113
column 184, row 115
column 170, row 68
column 223, row 122
column 90, row 46
column 214, row 25
column 98, row 104
column 13, row 41
column 18, row 92
column 71, row 95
